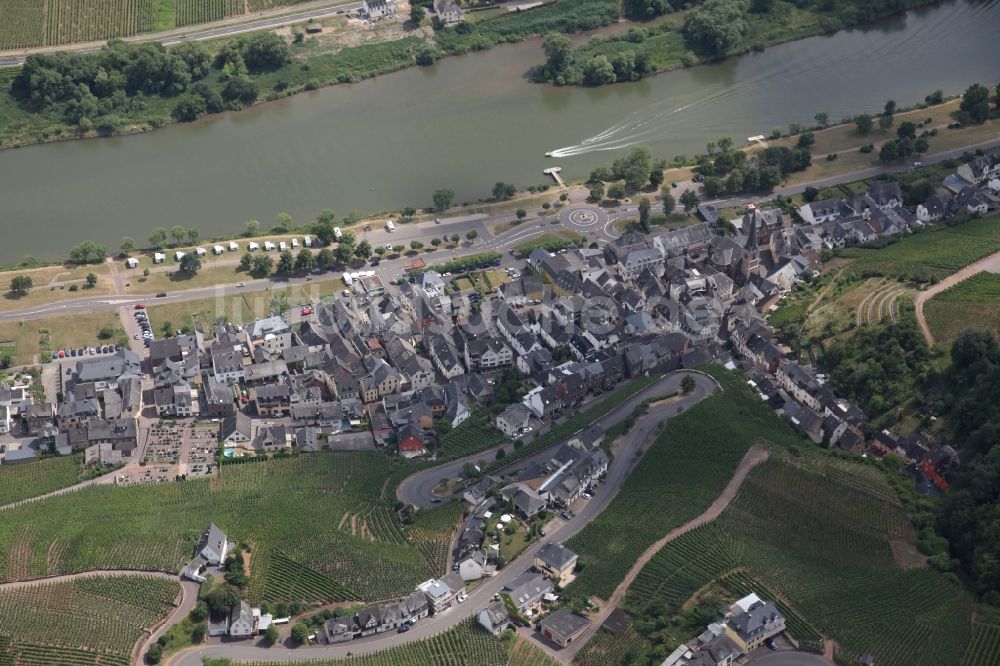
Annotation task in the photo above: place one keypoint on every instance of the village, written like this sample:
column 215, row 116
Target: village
column 395, row 366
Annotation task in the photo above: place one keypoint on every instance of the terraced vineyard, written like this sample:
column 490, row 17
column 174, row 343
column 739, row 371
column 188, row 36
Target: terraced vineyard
column 88, row 621
column 672, row 483
column 18, row 482
column 972, row 303
column 28, row 23
column 821, row 547
column 934, row 253
column 344, row 540
column 467, row 643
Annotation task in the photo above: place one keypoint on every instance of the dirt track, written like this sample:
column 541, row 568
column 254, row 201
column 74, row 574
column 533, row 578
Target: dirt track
column 990, row 264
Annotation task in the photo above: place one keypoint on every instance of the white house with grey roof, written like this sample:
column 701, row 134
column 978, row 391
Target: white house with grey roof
column 557, row 562
column 526, row 591
column 494, row 618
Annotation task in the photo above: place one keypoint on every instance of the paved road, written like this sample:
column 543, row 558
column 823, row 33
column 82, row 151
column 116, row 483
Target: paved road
column 210, row 31
column 623, row 463
column 416, row 488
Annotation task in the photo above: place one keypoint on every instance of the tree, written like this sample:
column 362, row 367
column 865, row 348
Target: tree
column 597, row 192
column 687, row 384
column 304, row 260
column 907, row 129
column 300, row 633
column 885, row 122
column 975, row 104
column 272, row 630
column 193, row 235
column 221, row 599
column 416, row 245
column 810, row 193
column 127, row 246
column 656, row 177
column 190, row 263
column 409, row 212
column 239, row 91
column 199, row 613
column 712, row 187
column 634, row 169
column 277, row 304
column 616, row 191
column 598, row 71
column 558, row 57
column 158, row 239
column 262, row 266
column 416, row 14
column 889, row 152
column 19, row 285
column 91, row 280
column 443, row 198
column 864, row 123
column 283, row 222
column 363, row 250
column 521, row 213
column 88, row 252
column 246, row 261
column 668, row 201
column 890, row 108
column 189, row 107
column 503, row 191
column 644, row 214
column 690, row 200
column 263, row 51
column 178, row 233
column 253, row 226
column 155, row 653
column 725, row 144
column 806, row 140
column 717, row 27
column 472, row 235
column 286, row 263
column 325, row 259
column 822, row 118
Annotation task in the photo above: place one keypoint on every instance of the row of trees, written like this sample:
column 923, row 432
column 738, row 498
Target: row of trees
column 562, row 67
column 100, row 89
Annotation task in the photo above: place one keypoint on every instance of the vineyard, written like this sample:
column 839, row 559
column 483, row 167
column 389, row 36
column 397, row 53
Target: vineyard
column 930, row 254
column 972, row 303
column 88, row 621
column 327, row 536
column 18, row 482
column 606, row 648
column 28, row 23
column 821, row 545
column 672, row 484
column 984, row 649
column 524, row 653
column 467, row 643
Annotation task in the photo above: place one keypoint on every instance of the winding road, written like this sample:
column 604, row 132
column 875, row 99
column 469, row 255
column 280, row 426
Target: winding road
column 624, row 461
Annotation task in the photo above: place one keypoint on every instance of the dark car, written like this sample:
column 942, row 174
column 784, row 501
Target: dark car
column 403, row 628
column 162, row 294
column 698, row 178
column 771, row 644
column 436, row 500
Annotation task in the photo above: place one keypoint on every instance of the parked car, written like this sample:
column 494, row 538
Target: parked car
column 771, row 644
column 403, row 628
column 566, row 515
column 162, row 294
column 140, row 306
column 437, row 220
column 241, row 284
column 306, row 311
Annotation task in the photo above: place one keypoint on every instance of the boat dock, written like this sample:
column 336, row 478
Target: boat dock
column 554, row 172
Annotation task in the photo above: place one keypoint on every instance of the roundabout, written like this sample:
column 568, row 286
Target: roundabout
column 583, row 217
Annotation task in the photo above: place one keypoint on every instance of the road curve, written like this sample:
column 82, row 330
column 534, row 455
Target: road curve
column 416, row 488
column 624, row 461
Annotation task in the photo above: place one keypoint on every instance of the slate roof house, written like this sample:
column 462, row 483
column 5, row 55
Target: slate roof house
column 557, row 562
column 526, row 591
column 494, row 618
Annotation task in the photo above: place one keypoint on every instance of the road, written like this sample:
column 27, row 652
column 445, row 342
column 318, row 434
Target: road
column 623, row 463
column 215, row 30
column 416, row 488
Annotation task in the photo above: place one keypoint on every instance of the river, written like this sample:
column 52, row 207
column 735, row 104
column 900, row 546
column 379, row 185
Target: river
column 465, row 123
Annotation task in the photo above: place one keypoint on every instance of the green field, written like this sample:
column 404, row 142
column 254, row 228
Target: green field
column 972, row 303
column 18, row 482
column 30, row 23
column 88, row 621
column 931, row 254
column 317, row 526
column 826, row 539
column 678, row 477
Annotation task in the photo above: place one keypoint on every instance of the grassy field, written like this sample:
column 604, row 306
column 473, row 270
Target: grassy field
column 345, row 542
column 24, row 340
column 933, row 253
column 18, row 482
column 672, row 482
column 30, row 23
column 830, row 541
column 54, row 283
column 87, row 621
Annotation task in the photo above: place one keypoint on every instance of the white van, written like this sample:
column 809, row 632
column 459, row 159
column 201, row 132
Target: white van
column 337, row 233
column 389, row 226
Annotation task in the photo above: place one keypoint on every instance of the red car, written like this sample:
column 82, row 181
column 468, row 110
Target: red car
column 140, row 306
column 306, row 311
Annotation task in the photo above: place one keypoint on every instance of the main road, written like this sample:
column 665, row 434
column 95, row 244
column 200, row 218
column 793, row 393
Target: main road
column 624, row 462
